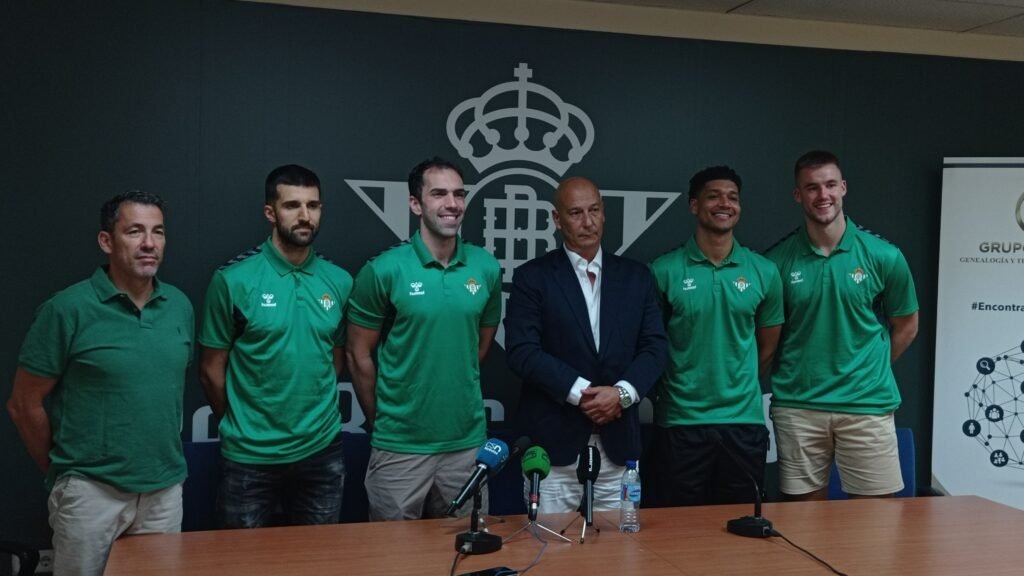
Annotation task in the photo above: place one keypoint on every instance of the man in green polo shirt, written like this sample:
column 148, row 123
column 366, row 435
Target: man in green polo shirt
column 851, row 310
column 723, row 313
column 111, row 352
column 271, row 341
column 441, row 300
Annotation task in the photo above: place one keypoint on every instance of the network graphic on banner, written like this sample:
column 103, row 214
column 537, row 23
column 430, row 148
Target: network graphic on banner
column 520, row 137
column 995, row 407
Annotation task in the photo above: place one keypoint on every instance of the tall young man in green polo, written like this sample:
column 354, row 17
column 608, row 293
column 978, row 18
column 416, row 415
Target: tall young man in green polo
column 441, row 300
column 723, row 312
column 272, row 333
column 111, row 352
column 851, row 310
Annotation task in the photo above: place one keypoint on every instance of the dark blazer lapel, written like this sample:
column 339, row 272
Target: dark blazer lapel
column 569, row 283
column 610, row 301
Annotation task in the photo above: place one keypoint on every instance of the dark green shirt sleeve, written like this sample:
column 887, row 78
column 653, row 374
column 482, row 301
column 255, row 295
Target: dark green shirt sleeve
column 217, row 329
column 45, row 349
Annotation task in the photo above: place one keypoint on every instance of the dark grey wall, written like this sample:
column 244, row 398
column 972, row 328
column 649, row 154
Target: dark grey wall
column 197, row 100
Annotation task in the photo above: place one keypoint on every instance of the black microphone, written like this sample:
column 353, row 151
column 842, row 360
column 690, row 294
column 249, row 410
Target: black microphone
column 586, row 472
column 755, row 526
column 536, row 465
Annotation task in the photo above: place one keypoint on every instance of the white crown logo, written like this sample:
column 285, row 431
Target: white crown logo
column 555, row 135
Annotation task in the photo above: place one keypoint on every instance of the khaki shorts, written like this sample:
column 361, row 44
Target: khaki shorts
column 412, row 486
column 863, row 446
column 87, row 516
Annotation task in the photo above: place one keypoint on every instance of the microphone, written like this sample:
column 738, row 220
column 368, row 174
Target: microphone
column 536, row 465
column 755, row 526
column 586, row 472
column 489, row 460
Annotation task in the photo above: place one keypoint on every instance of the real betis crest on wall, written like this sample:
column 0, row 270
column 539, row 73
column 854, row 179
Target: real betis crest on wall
column 520, row 137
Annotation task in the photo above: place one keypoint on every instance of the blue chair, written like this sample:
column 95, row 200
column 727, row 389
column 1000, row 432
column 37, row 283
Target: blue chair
column 199, row 495
column 908, row 468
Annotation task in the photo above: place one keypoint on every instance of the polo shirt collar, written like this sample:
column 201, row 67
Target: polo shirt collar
column 845, row 243
column 105, row 289
column 281, row 265
column 694, row 253
column 426, row 258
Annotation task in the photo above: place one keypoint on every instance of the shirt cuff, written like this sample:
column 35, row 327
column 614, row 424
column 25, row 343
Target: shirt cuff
column 576, row 392
column 629, row 388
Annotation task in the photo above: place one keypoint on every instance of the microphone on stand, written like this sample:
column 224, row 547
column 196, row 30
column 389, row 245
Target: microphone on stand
column 586, row 472
column 755, row 526
column 489, row 459
column 536, row 465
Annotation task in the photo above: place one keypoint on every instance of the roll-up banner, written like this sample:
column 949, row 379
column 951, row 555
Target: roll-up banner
column 978, row 442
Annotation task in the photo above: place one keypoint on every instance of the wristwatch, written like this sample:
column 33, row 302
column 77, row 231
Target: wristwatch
column 625, row 400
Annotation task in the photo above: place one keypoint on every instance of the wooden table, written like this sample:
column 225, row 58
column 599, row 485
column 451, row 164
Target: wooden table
column 928, row 536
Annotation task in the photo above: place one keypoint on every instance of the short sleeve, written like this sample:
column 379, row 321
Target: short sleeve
column 47, row 345
column 368, row 305
column 771, row 311
column 217, row 328
column 492, row 311
column 899, row 294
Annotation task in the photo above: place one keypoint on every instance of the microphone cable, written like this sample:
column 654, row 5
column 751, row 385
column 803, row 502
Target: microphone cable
column 536, row 560
column 808, row 552
column 458, row 554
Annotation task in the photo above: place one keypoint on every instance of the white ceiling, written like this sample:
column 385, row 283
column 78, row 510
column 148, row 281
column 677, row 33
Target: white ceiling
column 993, row 17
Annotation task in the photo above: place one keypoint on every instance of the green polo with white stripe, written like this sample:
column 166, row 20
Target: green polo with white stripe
column 281, row 323
column 712, row 315
column 428, row 375
column 834, row 353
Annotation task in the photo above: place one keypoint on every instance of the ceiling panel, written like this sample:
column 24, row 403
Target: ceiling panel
column 1012, row 27
column 927, row 14
column 1000, row 17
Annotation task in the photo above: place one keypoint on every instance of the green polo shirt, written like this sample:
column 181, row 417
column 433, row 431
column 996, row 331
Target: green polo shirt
column 834, row 353
column 115, row 413
column 281, row 323
column 428, row 375
column 712, row 314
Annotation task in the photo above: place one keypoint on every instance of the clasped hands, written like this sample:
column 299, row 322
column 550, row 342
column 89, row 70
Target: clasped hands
column 601, row 404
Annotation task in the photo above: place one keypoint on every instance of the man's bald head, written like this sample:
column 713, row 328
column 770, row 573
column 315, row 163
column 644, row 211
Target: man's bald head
column 579, row 214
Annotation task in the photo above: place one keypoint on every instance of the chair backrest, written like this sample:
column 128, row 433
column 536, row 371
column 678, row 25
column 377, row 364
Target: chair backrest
column 908, row 468
column 28, row 557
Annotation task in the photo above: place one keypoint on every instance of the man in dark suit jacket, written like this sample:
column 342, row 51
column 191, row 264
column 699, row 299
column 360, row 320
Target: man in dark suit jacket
column 584, row 332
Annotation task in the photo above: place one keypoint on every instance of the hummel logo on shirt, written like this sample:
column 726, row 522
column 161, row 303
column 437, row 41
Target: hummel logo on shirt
column 689, row 285
column 417, row 289
column 796, row 277
column 268, row 301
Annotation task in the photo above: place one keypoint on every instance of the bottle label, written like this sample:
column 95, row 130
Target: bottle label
column 631, row 492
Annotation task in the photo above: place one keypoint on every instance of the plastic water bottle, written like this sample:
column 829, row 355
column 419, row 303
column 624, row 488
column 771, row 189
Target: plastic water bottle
column 629, row 513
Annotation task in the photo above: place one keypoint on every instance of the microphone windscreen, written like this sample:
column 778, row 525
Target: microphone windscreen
column 536, row 460
column 589, row 466
column 492, row 454
column 521, row 445
column 595, row 463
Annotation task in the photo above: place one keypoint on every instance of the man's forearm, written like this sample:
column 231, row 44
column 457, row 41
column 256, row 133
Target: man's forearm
column 33, row 425
column 364, row 383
